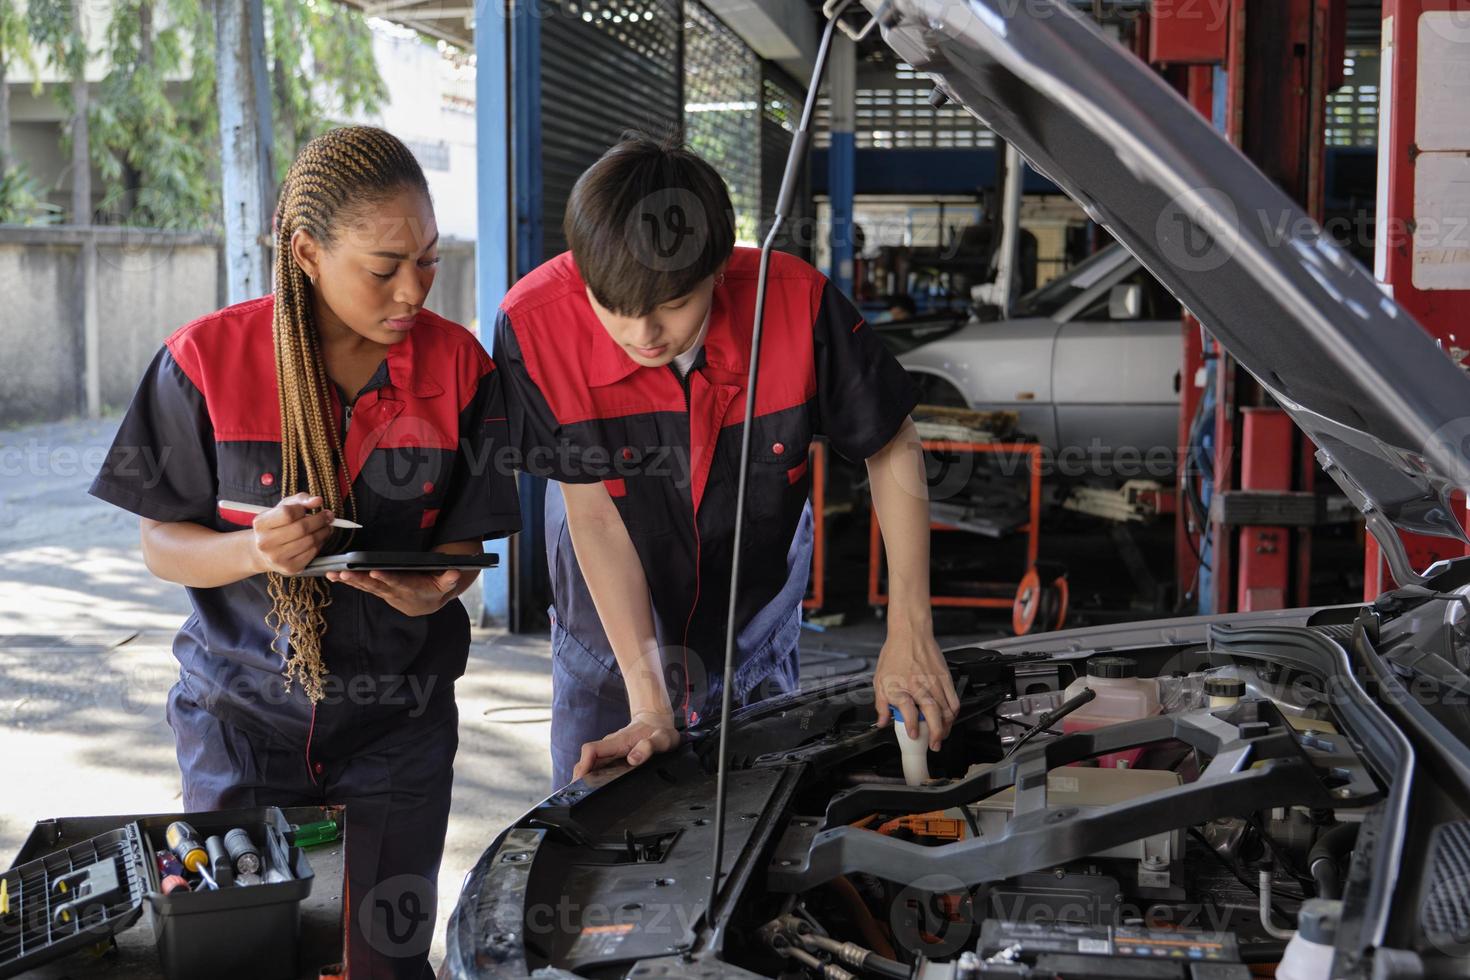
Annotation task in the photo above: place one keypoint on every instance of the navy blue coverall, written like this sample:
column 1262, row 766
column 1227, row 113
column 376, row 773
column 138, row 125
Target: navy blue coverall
column 668, row 451
column 420, row 445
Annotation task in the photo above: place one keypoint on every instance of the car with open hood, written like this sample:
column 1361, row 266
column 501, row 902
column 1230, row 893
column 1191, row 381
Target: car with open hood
column 1288, row 785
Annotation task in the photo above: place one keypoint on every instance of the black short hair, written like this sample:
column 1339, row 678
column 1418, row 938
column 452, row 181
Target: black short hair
column 647, row 222
column 905, row 302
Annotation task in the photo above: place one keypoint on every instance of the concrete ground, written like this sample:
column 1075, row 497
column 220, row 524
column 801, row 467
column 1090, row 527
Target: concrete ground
column 85, row 666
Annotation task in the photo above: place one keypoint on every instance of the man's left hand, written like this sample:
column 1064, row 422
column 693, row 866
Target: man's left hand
column 646, row 734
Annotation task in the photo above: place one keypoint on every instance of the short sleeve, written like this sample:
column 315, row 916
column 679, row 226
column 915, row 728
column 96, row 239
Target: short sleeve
column 543, row 448
column 863, row 393
column 481, row 501
column 161, row 464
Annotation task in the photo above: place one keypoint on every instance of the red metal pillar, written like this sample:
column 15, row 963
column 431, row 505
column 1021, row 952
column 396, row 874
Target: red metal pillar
column 1267, row 438
column 1282, row 57
column 1186, row 36
column 1422, row 254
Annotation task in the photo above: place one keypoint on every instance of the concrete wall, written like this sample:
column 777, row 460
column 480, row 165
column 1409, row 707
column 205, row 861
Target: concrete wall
column 40, row 333
column 146, row 292
column 149, row 283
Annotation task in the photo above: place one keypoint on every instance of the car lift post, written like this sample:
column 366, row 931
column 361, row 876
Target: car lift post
column 1187, row 41
column 1422, row 238
column 1281, row 58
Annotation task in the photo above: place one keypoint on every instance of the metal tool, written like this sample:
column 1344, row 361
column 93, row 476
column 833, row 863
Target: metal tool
column 242, row 852
column 184, row 842
column 168, row 864
column 220, row 865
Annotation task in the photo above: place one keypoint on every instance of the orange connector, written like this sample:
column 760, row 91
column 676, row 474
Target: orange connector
column 934, row 824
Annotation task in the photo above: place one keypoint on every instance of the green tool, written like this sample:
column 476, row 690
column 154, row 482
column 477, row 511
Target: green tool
column 312, row 834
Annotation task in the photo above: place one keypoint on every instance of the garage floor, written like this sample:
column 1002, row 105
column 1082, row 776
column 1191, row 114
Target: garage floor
column 85, row 634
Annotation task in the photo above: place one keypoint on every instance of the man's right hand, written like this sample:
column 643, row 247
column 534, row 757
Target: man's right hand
column 288, row 536
column 646, row 734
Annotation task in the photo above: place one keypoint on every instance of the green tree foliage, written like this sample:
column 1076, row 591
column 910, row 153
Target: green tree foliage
column 21, row 201
column 153, row 120
column 322, row 69
column 15, row 49
column 145, row 142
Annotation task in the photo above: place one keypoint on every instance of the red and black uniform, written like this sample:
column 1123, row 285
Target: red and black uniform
column 668, row 450
column 419, row 443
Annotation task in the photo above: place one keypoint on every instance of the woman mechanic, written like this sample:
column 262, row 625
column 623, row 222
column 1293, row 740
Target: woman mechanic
column 338, row 396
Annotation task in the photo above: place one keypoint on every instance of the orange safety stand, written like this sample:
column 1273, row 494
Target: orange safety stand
column 817, row 596
column 1032, row 452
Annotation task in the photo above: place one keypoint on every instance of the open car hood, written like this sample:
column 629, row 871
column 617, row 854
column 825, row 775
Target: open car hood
column 1387, row 409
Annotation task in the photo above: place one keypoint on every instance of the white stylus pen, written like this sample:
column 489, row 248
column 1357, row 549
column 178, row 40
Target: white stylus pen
column 257, row 509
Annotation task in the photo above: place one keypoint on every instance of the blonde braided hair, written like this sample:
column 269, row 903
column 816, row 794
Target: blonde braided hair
column 336, row 176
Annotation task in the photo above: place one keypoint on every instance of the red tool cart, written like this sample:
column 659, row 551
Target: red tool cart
column 1005, row 592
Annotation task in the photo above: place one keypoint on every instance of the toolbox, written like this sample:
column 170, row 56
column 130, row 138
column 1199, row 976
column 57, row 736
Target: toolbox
column 32, row 930
column 62, row 899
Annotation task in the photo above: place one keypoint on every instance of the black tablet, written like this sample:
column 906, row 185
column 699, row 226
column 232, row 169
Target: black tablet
column 398, row 561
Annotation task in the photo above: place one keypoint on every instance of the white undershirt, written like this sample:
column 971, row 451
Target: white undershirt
column 684, row 363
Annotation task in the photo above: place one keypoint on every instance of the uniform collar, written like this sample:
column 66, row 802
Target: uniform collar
column 406, row 368
column 723, row 349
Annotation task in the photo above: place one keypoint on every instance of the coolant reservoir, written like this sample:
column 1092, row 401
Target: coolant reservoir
column 1121, row 696
column 1309, row 954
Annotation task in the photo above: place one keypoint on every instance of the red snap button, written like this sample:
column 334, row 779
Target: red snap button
column 317, row 768
column 428, row 486
column 267, row 479
column 627, row 452
column 778, row 448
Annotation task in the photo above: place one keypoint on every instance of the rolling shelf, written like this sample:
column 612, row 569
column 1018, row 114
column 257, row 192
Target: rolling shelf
column 1006, row 591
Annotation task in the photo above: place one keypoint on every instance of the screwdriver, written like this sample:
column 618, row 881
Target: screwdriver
column 174, row 883
column 168, row 864
column 310, row 834
column 182, row 840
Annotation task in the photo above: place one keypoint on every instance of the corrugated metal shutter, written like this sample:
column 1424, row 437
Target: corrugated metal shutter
column 781, row 103
column 722, row 89
column 893, row 113
column 606, row 66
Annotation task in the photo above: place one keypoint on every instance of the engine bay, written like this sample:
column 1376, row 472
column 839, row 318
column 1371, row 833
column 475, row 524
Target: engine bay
column 1202, row 800
column 1096, row 822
